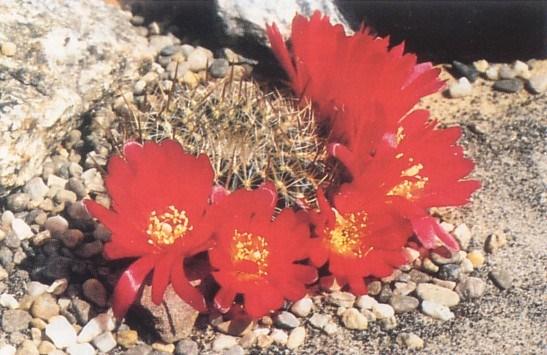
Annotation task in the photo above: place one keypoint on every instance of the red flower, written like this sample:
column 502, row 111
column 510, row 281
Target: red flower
column 356, row 82
column 359, row 236
column 416, row 167
column 159, row 198
column 255, row 256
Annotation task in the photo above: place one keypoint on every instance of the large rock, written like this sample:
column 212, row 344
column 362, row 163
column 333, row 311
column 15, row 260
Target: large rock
column 68, row 54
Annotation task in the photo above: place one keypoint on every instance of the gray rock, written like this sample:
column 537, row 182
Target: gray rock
column 219, row 68
column 403, row 304
column 18, row 202
column 56, row 225
column 286, row 320
column 170, row 50
column 501, row 278
column 15, row 320
column 248, row 18
column 187, row 347
column 508, row 85
column 72, row 54
column 538, row 83
column 468, row 71
column 76, row 185
column 418, row 276
column 450, row 272
column 471, row 287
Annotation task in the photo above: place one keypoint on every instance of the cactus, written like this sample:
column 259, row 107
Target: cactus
column 250, row 136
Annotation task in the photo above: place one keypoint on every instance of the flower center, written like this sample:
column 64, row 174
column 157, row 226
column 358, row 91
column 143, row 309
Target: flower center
column 166, row 228
column 251, row 248
column 345, row 238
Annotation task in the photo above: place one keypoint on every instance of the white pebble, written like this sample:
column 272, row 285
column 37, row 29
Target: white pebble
column 382, row 311
column 296, row 338
column 35, row 288
column 60, row 332
column 103, row 322
column 481, row 65
column 8, row 301
column 199, row 59
column 461, row 88
column 302, row 307
column 279, row 336
column 223, row 341
column 521, row 69
column 493, row 73
column 462, row 235
column 437, row 311
column 81, row 349
column 7, row 217
column 366, row 302
column 105, row 342
column 7, row 349
column 538, row 83
column 21, row 229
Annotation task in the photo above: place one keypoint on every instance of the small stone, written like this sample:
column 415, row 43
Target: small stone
column 80, row 349
column 297, row 337
column 450, row 272
column 27, row 348
column 411, row 341
column 15, row 320
column 6, row 349
column 36, row 188
column 105, row 342
column 139, row 87
column 45, row 307
column 382, row 310
column 18, row 202
column 186, row 347
column 476, row 257
column 128, row 338
column 471, row 287
column 65, row 196
column 279, row 336
column 438, row 259
column 521, row 69
column 170, row 50
column 56, row 181
column 219, row 68
column 501, row 278
column 264, row 341
column 81, row 309
column 389, row 323
column 444, row 283
column 95, row 292
column 302, row 307
column 154, row 29
column 21, row 229
column 234, row 350
column 236, row 327
column 402, row 304
column 369, row 315
column 341, row 299
column 374, row 288
column 266, row 321
column 537, row 83
column 60, row 332
column 460, row 89
column 495, row 241
column 101, row 323
column 247, row 341
column 462, row 235
column 56, row 225
column 286, row 320
column 437, row 294
column 467, row 71
column 9, row 49
column 137, row 20
column 506, row 72
column 190, row 79
column 492, row 73
column 71, row 238
column 331, row 328
column 412, row 254
column 353, row 319
column 223, row 341
column 481, row 65
column 46, row 347
column 365, row 302
column 508, row 85
column 437, row 311
column 319, row 320
column 385, row 294
column 8, row 301
column 35, row 288
column 199, row 59
column 3, row 273
column 89, row 250
column 466, row 266
column 404, row 288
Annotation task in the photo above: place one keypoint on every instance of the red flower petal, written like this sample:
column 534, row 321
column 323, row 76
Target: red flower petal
column 162, row 275
column 185, row 291
column 129, row 284
column 224, row 299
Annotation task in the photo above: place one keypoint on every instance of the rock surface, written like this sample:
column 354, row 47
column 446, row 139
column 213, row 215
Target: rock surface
column 68, row 54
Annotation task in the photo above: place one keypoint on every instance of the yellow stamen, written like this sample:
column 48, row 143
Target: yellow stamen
column 166, row 228
column 346, row 237
column 400, row 135
column 413, row 170
column 251, row 247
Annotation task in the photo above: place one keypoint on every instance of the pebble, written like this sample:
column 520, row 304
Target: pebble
column 418, row 276
column 234, row 350
column 302, row 307
column 374, row 288
column 279, row 336
column 411, row 341
column 438, row 259
column 286, row 320
column 319, row 320
column 508, row 85
column 45, row 307
column 154, row 29
column 71, row 238
column 35, row 288
column 466, row 266
column 56, row 181
column 9, row 49
column 460, row 88
column 467, row 71
column 56, row 225
column 404, row 288
column 450, row 272
column 237, row 326
column 15, row 320
column 223, row 341
column 412, row 254
column 382, row 310
column 521, row 69
column 170, row 50
column 430, row 266
column 18, row 202
column 296, row 338
column 264, row 341
column 190, row 79
column 46, row 347
column 95, row 292
column 341, row 299
column 219, row 68
column 437, row 311
column 101, row 323
column 105, row 342
column 506, row 72
column 8, row 301
column 128, row 338
column 481, row 65
column 6, row 349
column 495, row 241
column 60, row 332
column 65, row 196
column 462, row 235
column 139, row 87
column 353, row 319
column 331, row 328
column 137, row 20
column 403, row 304
column 476, row 257
column 36, row 188
column 492, row 73
column 198, row 60
column 389, row 323
column 248, row 340
column 501, row 278
column 185, row 347
column 3, row 273
column 437, row 294
column 81, row 349
column 538, row 83
column 21, row 229
column 366, row 302
column 89, row 250
column 471, row 287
